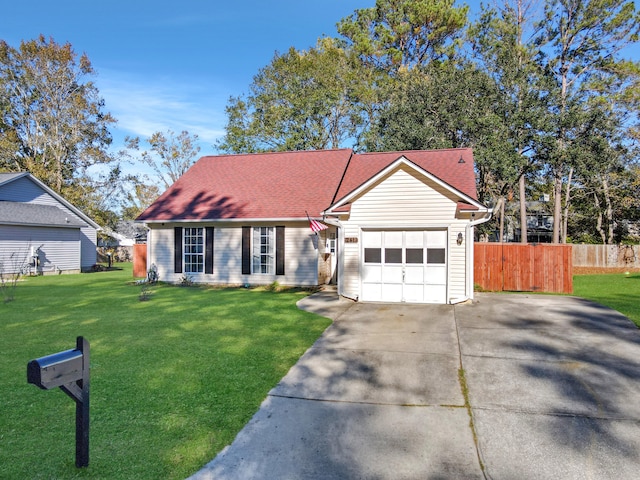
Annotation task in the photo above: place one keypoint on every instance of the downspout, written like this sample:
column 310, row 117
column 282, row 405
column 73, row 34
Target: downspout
column 469, row 253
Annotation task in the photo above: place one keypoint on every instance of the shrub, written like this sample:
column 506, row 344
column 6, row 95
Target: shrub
column 152, row 274
column 145, row 292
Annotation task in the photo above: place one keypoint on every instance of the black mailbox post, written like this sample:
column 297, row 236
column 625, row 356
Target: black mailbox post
column 68, row 370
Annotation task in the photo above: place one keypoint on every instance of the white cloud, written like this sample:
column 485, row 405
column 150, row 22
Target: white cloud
column 143, row 106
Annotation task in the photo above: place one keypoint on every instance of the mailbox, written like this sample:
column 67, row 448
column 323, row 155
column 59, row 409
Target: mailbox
column 68, row 370
column 56, row 370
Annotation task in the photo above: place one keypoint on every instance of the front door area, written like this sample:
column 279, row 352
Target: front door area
column 404, row 266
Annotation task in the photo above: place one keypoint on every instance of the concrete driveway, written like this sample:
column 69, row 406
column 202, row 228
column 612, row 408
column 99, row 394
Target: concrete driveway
column 551, row 389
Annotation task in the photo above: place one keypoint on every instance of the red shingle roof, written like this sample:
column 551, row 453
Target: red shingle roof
column 288, row 184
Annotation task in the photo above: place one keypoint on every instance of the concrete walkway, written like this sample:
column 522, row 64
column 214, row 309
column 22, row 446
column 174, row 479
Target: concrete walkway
column 553, row 384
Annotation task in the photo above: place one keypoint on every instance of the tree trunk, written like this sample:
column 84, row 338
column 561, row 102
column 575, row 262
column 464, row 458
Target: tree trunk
column 523, row 210
column 502, row 219
column 567, row 201
column 596, row 201
column 608, row 209
column 557, row 206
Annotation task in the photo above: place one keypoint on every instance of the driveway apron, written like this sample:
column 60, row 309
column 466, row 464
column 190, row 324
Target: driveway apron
column 552, row 385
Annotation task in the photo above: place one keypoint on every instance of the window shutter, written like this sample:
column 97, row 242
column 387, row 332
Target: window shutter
column 279, row 250
column 246, row 250
column 208, row 256
column 177, row 250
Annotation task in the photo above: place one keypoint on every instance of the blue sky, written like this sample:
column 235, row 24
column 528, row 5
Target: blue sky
column 173, row 65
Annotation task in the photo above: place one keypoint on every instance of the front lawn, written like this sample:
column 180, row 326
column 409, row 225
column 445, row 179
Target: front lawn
column 615, row 290
column 173, row 379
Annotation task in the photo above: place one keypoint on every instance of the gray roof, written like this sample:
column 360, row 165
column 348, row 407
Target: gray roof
column 5, row 177
column 18, row 213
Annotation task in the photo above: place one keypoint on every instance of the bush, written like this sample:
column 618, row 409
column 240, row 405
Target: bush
column 145, row 292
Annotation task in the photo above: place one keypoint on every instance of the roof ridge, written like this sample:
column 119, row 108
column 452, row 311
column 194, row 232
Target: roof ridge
column 421, row 151
column 284, row 152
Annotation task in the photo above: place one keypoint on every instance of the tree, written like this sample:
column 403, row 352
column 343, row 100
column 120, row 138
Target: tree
column 450, row 105
column 138, row 198
column 583, row 40
column 398, row 35
column 502, row 43
column 170, row 156
column 302, row 100
column 52, row 120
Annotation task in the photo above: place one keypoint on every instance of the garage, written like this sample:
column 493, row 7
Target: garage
column 404, row 266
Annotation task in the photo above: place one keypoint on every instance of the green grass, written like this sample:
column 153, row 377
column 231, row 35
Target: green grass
column 173, row 379
column 618, row 291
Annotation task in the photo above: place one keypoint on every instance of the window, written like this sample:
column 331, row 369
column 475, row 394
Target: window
column 414, row 255
column 372, row 255
column 436, row 255
column 193, row 244
column 263, row 250
column 393, row 255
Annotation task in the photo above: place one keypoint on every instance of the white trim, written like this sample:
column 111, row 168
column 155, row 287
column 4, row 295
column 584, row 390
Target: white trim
column 200, row 233
column 258, row 246
column 387, row 171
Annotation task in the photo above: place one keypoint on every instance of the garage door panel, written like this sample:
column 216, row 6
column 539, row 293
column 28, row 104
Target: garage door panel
column 393, row 239
column 436, row 275
column 435, row 293
column 392, row 293
column 392, row 274
column 372, row 274
column 371, row 292
column 436, row 238
column 414, row 274
column 414, row 238
column 405, row 266
column 372, row 239
column 414, row 293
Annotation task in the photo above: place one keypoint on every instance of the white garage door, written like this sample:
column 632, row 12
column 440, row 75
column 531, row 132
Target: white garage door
column 404, row 266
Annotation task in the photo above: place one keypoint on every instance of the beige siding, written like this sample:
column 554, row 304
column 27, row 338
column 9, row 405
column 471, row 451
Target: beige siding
column 405, row 200
column 351, row 262
column 457, row 261
column 160, row 240
column 301, row 255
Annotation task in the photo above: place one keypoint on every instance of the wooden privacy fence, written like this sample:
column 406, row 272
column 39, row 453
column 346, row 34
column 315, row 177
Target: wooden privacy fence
column 523, row 267
column 588, row 258
column 140, row 260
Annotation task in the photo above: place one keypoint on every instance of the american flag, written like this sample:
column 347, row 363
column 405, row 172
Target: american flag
column 315, row 225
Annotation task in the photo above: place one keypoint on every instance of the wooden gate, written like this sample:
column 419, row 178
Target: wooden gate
column 523, row 267
column 140, row 260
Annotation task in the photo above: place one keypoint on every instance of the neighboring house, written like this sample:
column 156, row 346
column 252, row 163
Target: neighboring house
column 400, row 224
column 109, row 238
column 40, row 229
